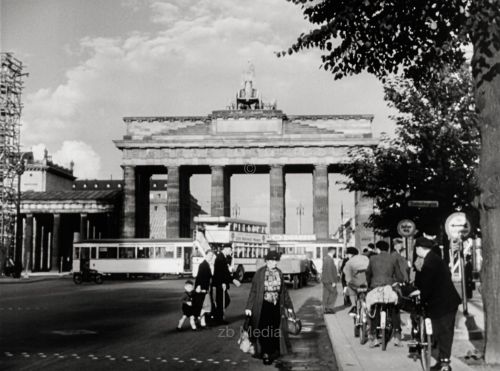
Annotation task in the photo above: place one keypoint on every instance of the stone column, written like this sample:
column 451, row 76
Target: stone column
column 83, row 226
column 142, row 192
column 56, row 230
column 185, row 203
column 227, row 193
column 28, row 243
column 217, row 200
column 320, row 201
column 173, row 203
column 128, row 220
column 277, row 202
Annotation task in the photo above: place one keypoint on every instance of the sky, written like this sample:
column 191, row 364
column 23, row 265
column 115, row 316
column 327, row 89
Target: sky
column 93, row 62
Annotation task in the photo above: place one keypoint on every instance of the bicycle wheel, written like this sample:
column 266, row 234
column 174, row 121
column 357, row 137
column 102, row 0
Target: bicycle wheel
column 98, row 279
column 357, row 320
column 383, row 329
column 426, row 344
column 363, row 337
column 77, row 278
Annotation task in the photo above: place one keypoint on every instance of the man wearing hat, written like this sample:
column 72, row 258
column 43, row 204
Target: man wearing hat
column 438, row 293
column 220, row 282
column 329, row 278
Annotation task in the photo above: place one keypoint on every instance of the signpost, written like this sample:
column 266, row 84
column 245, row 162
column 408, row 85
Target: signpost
column 423, row 203
column 458, row 228
column 406, row 229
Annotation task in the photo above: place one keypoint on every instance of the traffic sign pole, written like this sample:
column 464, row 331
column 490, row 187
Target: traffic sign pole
column 458, row 227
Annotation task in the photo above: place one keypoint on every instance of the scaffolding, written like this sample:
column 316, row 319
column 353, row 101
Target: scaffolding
column 11, row 86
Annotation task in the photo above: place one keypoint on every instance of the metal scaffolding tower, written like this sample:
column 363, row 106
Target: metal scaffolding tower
column 11, row 86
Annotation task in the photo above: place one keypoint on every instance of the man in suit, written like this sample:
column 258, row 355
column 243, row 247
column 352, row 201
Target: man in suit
column 202, row 287
column 384, row 270
column 221, row 280
column 438, row 293
column 329, row 277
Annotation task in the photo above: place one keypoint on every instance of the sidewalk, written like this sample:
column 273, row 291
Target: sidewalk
column 352, row 356
column 35, row 277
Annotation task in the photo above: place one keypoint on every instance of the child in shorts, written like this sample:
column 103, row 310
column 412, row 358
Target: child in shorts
column 187, row 306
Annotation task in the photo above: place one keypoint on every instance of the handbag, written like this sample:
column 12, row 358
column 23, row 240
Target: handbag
column 244, row 342
column 293, row 323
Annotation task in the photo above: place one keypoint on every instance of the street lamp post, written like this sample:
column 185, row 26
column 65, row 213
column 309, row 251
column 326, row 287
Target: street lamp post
column 20, row 168
column 300, row 212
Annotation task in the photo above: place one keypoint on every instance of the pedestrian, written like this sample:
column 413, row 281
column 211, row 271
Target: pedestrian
column 347, row 300
column 404, row 270
column 404, row 264
column 187, row 306
column 469, row 282
column 383, row 270
column 267, row 305
column 221, row 280
column 355, row 274
column 329, row 278
column 202, row 283
column 369, row 251
column 440, row 297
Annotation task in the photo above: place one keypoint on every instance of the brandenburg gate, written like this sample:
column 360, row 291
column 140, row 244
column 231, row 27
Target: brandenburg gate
column 249, row 136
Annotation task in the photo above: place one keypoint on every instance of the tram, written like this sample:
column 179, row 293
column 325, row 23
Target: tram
column 134, row 256
column 314, row 249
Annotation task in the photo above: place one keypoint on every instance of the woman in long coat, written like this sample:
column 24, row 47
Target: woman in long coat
column 268, row 303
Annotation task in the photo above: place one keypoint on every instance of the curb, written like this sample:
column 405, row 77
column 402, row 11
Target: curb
column 32, row 279
column 346, row 358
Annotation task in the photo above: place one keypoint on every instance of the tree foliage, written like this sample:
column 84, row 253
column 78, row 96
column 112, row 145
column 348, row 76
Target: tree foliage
column 414, row 37
column 433, row 156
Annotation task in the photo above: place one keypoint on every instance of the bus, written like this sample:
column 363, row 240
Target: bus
column 247, row 238
column 134, row 256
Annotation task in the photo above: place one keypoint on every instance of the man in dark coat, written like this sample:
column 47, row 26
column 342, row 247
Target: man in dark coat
column 329, row 278
column 220, row 282
column 438, row 293
column 202, row 286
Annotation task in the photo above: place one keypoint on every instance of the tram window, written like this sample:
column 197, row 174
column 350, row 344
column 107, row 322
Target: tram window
column 127, row 252
column 76, row 256
column 144, row 253
column 318, row 252
column 107, row 252
column 92, row 253
column 179, row 252
column 164, row 252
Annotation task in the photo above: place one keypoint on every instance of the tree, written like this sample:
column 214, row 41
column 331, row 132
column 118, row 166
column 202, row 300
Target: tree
column 418, row 39
column 433, row 156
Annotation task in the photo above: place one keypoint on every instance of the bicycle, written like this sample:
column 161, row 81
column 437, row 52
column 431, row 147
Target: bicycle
column 421, row 332
column 361, row 316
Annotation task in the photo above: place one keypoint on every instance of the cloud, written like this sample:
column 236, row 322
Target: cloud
column 87, row 162
column 191, row 65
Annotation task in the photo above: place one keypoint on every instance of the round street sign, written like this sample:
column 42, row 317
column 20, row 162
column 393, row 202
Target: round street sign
column 457, row 225
column 406, row 228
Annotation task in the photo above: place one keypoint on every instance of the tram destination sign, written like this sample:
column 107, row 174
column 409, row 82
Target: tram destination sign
column 423, row 203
